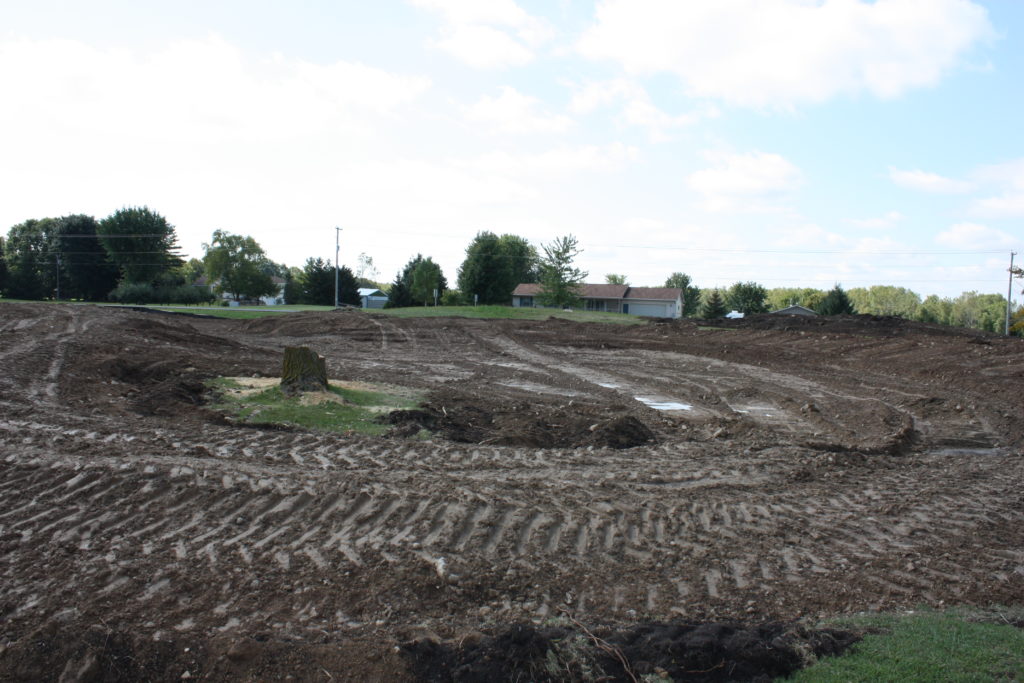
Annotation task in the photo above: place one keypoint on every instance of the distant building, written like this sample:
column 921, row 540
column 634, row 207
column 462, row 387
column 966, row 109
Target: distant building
column 372, row 298
column 271, row 300
column 794, row 310
column 652, row 302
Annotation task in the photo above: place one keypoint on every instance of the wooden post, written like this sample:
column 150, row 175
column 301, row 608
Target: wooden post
column 303, row 370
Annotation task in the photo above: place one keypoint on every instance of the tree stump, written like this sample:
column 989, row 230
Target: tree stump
column 303, row 370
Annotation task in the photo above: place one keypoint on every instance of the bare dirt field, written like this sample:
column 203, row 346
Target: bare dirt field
column 803, row 468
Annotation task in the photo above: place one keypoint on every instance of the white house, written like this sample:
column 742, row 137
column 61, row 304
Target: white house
column 652, row 302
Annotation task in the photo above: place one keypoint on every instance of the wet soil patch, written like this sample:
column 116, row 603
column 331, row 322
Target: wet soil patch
column 681, row 652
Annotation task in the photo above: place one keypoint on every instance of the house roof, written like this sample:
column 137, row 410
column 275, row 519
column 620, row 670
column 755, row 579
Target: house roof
column 656, row 293
column 370, row 291
column 795, row 310
column 610, row 292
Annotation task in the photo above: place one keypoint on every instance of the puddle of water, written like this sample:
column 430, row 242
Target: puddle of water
column 607, row 385
column 663, row 405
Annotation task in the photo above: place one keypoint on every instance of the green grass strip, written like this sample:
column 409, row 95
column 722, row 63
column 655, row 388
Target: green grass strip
column 509, row 313
column 925, row 646
column 270, row 406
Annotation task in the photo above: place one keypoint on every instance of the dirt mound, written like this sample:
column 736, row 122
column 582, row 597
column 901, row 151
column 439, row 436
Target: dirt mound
column 872, row 325
column 520, row 425
column 682, row 652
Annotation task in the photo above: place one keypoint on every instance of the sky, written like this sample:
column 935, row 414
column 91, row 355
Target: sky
column 795, row 143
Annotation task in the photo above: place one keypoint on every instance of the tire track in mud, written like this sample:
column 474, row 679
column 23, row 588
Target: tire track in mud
column 714, row 550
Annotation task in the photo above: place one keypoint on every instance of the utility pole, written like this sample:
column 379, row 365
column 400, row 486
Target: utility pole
column 1009, row 295
column 58, row 276
column 337, row 248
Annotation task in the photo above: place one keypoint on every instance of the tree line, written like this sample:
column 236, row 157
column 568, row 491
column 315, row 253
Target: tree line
column 132, row 256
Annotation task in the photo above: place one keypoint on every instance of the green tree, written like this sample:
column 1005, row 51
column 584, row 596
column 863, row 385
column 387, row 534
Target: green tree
column 836, row 302
column 235, row 265
column 292, row 286
column 560, row 282
column 192, row 270
column 400, row 293
column 316, row 284
column 615, row 279
column 3, row 269
column 935, row 310
column 747, row 298
column 979, row 311
column 885, row 300
column 494, row 266
column 140, row 242
column 691, row 293
column 85, row 269
column 30, row 265
column 714, row 305
column 425, row 280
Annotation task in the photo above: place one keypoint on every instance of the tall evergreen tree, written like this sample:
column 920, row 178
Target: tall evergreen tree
column 714, row 305
column 86, row 271
column 836, row 302
column 316, row 284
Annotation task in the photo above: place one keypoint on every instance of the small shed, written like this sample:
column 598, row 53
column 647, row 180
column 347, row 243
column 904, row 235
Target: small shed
column 794, row 310
column 372, row 298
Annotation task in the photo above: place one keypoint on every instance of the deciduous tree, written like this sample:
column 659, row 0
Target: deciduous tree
column 615, row 279
column 560, row 282
column 494, row 266
column 140, row 242
column 691, row 294
column 747, row 298
column 235, row 265
column 425, row 281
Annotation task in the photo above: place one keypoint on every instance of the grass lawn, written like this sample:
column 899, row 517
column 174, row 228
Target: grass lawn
column 346, row 407
column 508, row 312
column 957, row 645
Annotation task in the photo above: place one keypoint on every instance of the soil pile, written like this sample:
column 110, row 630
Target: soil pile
column 708, row 652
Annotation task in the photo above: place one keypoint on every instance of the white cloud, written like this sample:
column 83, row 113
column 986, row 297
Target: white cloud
column 745, row 182
column 559, row 161
column 888, row 220
column 514, row 112
column 197, row 129
column 782, row 53
column 483, row 47
column 975, row 236
column 487, row 34
column 1010, row 202
column 929, row 182
column 637, row 109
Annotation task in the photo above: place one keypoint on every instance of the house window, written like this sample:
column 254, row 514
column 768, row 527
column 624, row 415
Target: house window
column 526, row 302
column 596, row 304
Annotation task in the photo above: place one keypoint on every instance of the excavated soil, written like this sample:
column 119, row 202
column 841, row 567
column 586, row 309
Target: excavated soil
column 804, row 468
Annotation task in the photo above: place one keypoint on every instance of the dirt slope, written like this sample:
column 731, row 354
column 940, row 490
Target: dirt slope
column 821, row 467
